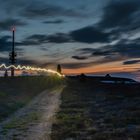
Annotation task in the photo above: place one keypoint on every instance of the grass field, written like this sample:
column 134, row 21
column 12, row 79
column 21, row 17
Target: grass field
column 18, row 91
column 93, row 111
column 89, row 110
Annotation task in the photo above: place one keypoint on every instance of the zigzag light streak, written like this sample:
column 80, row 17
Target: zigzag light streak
column 19, row 67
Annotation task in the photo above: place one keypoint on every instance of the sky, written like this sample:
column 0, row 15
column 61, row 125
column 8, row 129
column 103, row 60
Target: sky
column 84, row 36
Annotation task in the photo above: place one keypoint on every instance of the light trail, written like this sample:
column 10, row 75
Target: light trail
column 19, row 67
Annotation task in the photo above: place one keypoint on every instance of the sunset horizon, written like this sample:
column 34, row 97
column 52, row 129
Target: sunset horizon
column 83, row 36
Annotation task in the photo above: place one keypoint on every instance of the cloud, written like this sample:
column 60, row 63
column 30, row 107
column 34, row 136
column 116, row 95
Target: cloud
column 39, row 10
column 25, row 61
column 59, row 38
column 40, row 39
column 84, row 35
column 89, row 35
column 130, row 62
column 4, row 60
column 6, row 44
column 80, row 57
column 124, row 48
column 58, row 21
column 21, row 61
column 118, row 15
column 28, row 43
column 102, row 51
column 75, row 65
column 9, row 23
column 130, row 50
column 92, row 62
column 121, row 15
column 35, row 39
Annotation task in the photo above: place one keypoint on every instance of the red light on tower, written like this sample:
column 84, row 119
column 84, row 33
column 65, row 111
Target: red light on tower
column 13, row 29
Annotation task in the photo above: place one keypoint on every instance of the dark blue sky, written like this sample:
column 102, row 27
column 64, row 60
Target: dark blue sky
column 90, row 36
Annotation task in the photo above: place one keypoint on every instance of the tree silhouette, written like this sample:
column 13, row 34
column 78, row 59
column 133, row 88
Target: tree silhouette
column 59, row 69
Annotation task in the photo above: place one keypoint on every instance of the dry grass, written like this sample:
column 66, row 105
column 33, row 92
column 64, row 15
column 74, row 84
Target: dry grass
column 18, row 91
column 91, row 110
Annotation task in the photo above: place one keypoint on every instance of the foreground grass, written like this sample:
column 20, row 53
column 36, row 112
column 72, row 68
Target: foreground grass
column 18, row 91
column 91, row 111
column 21, row 123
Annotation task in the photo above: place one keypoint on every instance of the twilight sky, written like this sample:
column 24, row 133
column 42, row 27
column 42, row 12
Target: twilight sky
column 84, row 36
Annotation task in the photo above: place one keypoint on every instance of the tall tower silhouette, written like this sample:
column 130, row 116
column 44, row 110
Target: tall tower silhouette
column 12, row 54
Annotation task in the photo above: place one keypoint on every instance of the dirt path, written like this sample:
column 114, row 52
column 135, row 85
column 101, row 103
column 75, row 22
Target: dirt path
column 34, row 121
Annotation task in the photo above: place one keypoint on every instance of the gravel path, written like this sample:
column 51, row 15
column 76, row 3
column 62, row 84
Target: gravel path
column 34, row 121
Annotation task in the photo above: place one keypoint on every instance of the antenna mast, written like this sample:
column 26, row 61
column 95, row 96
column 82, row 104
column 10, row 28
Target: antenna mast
column 12, row 54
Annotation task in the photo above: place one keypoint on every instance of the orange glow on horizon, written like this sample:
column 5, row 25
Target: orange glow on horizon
column 107, row 68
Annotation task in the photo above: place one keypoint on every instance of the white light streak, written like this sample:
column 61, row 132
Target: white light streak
column 19, row 67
